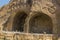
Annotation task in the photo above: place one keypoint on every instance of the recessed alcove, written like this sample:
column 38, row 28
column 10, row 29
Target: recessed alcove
column 19, row 21
column 41, row 23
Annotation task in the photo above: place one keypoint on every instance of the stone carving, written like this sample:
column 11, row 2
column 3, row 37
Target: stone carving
column 49, row 6
column 36, row 5
column 4, row 19
column 24, row 36
column 39, row 5
column 17, row 4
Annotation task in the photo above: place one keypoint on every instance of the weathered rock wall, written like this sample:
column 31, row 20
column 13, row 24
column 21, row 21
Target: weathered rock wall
column 48, row 7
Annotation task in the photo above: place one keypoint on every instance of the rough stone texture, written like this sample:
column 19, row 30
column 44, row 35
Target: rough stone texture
column 32, row 8
column 24, row 36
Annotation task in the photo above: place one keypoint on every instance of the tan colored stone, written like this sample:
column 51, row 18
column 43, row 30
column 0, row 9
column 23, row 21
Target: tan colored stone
column 33, row 15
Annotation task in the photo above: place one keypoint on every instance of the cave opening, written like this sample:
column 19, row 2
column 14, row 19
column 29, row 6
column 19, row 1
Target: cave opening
column 41, row 23
column 19, row 21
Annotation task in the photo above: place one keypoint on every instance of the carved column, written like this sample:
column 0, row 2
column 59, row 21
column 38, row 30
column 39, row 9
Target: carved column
column 55, row 29
column 26, row 28
column 26, row 25
column 10, row 22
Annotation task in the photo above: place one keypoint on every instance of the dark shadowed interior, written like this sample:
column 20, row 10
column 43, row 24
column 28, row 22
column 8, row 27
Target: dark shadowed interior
column 41, row 23
column 19, row 20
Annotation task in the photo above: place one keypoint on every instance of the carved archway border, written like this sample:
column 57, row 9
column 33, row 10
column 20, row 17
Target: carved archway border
column 10, row 23
column 52, row 16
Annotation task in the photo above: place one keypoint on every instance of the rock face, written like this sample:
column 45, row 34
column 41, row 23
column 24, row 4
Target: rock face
column 31, row 16
column 58, row 1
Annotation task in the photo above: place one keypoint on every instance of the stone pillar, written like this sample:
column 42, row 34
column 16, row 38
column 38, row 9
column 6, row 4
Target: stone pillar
column 26, row 25
column 55, row 37
column 10, row 22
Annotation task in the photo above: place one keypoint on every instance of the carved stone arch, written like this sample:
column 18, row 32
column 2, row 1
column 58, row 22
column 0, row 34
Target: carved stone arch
column 40, row 23
column 16, row 16
column 19, row 21
column 54, row 20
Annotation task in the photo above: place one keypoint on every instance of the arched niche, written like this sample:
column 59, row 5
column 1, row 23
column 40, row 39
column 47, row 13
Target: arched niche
column 19, row 21
column 41, row 23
